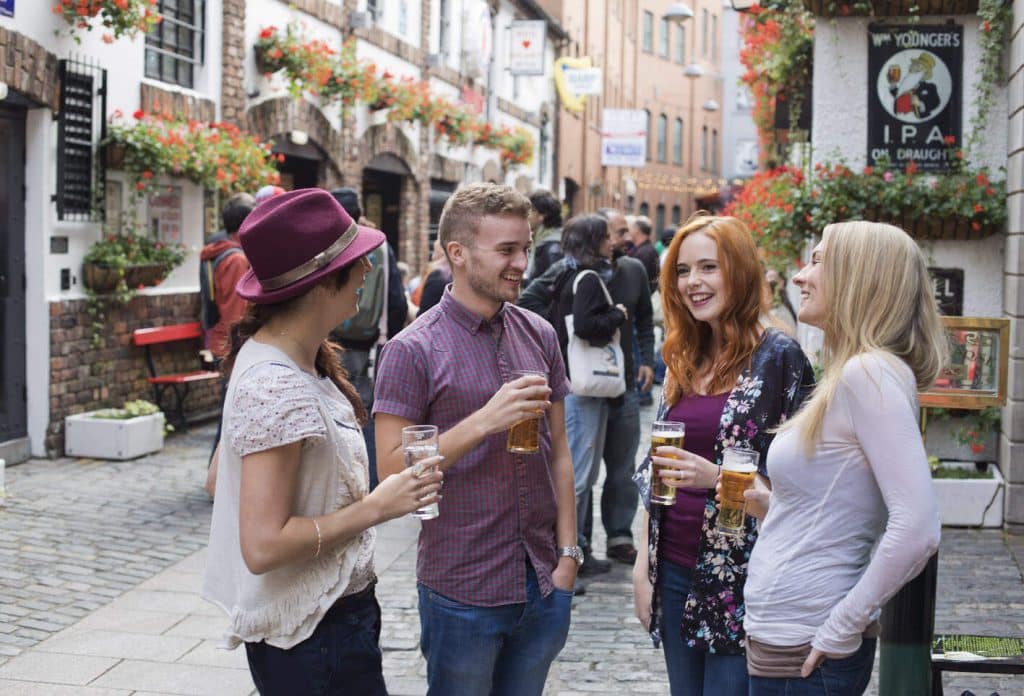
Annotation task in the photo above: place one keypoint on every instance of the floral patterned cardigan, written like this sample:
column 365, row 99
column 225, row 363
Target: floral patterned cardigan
column 769, row 390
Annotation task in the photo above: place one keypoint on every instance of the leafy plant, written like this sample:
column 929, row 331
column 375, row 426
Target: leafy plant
column 120, row 17
column 123, row 250
column 132, row 409
column 975, row 426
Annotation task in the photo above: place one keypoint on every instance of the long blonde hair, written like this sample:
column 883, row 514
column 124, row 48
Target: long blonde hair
column 878, row 297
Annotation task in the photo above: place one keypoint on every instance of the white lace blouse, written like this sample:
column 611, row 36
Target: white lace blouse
column 271, row 402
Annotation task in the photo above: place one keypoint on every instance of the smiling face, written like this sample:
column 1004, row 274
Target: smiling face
column 810, row 280
column 495, row 261
column 699, row 278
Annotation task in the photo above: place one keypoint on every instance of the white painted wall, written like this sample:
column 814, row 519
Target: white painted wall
column 739, row 134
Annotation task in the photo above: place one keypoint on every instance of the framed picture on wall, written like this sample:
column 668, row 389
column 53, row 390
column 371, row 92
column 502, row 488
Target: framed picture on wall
column 975, row 378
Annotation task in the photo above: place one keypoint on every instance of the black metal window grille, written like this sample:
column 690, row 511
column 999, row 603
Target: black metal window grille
column 373, row 8
column 174, row 48
column 80, row 127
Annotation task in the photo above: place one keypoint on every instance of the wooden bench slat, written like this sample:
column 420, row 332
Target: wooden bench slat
column 166, row 334
column 196, row 376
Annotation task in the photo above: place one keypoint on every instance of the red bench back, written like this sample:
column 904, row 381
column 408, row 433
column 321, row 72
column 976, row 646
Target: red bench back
column 166, row 334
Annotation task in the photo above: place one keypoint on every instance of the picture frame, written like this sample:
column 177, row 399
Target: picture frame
column 976, row 376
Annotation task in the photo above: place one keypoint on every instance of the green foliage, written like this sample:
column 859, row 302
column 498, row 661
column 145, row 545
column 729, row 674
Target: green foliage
column 130, row 409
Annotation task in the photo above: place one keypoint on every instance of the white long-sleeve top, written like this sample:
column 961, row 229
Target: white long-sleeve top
column 812, row 576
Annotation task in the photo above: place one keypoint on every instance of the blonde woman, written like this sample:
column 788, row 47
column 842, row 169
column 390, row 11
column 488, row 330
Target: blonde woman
column 849, row 471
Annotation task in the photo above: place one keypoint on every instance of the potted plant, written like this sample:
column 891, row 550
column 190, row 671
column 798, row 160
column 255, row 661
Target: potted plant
column 968, row 486
column 135, row 429
column 118, row 17
column 135, row 260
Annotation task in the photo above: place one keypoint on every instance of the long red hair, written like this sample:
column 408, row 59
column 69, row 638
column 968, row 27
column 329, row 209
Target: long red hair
column 688, row 342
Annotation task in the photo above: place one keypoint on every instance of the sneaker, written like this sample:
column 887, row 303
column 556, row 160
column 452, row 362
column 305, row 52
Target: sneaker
column 623, row 553
column 593, row 566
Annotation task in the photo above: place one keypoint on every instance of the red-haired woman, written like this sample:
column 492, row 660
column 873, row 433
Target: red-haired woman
column 731, row 381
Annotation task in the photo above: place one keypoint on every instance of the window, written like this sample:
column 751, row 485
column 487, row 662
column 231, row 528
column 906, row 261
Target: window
column 659, row 220
column 680, row 44
column 677, row 141
column 374, row 10
column 677, row 216
column 663, row 39
column 714, row 150
column 175, row 46
column 648, row 38
column 403, row 18
column 645, row 209
column 647, row 143
column 445, row 27
column 704, row 148
column 662, row 137
column 704, row 33
column 714, row 37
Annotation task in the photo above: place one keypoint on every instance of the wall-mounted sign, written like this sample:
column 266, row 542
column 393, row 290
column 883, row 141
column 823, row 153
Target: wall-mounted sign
column 165, row 212
column 949, row 290
column 526, row 47
column 473, row 99
column 915, row 94
column 574, row 80
column 623, row 138
column 975, row 377
column 7, row 8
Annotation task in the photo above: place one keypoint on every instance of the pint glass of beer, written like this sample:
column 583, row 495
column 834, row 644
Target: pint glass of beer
column 524, row 436
column 419, row 442
column 739, row 468
column 664, row 434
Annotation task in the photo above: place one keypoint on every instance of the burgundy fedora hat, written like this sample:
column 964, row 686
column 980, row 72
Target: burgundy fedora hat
column 295, row 239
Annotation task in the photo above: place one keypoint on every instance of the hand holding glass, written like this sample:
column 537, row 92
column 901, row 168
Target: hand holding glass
column 739, row 469
column 524, row 436
column 419, row 442
column 664, row 434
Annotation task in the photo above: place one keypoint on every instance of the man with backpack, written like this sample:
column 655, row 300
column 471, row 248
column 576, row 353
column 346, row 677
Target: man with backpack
column 382, row 313
column 222, row 263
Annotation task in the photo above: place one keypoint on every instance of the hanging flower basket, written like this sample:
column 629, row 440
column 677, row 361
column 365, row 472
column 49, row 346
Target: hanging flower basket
column 99, row 278
column 949, row 228
column 144, row 275
column 114, row 154
column 890, row 8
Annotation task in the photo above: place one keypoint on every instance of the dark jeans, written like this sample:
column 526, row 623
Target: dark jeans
column 693, row 672
column 357, row 364
column 342, row 656
column 847, row 676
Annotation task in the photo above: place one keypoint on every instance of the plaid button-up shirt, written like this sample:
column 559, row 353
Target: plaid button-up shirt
column 499, row 509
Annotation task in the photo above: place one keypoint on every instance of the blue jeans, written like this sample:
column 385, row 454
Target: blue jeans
column 619, row 497
column 692, row 672
column 847, row 676
column 505, row 650
column 341, row 657
column 586, row 422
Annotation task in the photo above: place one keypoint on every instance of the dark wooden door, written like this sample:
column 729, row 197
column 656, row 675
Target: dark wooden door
column 12, row 275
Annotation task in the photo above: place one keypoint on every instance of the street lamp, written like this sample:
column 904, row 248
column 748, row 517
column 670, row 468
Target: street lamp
column 710, row 105
column 678, row 12
column 692, row 72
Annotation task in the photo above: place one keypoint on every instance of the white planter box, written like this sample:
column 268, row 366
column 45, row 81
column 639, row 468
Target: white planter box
column 107, row 438
column 970, row 502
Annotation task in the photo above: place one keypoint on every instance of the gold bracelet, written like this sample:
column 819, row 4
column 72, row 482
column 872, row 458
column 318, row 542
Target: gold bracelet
column 319, row 538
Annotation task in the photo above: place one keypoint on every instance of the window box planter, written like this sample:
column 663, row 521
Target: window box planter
column 970, row 502
column 86, row 435
column 889, row 8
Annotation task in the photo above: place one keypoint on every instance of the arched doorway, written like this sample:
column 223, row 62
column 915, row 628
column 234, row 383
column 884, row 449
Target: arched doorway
column 303, row 165
column 384, row 178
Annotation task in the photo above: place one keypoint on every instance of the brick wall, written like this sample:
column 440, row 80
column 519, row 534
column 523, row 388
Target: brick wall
column 173, row 104
column 1011, row 441
column 232, row 84
column 83, row 378
column 29, row 68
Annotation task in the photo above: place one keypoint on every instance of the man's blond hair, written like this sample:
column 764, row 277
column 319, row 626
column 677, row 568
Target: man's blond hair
column 460, row 219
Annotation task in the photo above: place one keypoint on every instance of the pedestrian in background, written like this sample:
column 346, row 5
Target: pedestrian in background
column 731, row 382
column 496, row 568
column 362, row 335
column 588, row 247
column 436, row 279
column 852, row 514
column 291, row 539
column 640, row 230
column 546, row 223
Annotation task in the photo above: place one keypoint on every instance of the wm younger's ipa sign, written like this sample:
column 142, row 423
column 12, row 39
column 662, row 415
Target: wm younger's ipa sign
column 914, row 94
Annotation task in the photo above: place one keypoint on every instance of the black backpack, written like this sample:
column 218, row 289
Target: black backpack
column 209, row 315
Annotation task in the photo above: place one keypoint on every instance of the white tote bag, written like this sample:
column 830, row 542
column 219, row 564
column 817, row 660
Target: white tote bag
column 595, row 370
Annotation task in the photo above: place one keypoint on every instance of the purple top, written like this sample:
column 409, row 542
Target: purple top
column 499, row 509
column 680, row 535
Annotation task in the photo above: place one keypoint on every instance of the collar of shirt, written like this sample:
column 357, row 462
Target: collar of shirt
column 469, row 320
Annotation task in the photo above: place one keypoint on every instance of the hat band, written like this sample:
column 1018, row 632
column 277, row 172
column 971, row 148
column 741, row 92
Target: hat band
column 314, row 264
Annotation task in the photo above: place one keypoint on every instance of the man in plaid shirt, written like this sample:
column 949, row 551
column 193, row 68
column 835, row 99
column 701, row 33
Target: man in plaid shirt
column 496, row 569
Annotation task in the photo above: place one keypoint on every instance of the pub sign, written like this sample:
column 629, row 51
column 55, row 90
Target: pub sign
column 915, row 78
column 7, row 8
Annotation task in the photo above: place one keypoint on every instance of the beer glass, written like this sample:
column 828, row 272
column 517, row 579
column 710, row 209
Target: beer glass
column 739, row 468
column 664, row 434
column 419, row 442
column 524, row 436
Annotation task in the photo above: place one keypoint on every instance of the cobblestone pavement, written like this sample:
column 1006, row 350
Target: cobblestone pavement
column 76, row 534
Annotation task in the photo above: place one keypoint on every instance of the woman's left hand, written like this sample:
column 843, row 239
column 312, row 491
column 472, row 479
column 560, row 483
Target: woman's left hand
column 681, row 469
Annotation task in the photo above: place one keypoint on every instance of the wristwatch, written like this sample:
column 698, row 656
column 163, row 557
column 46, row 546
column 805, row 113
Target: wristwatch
column 573, row 552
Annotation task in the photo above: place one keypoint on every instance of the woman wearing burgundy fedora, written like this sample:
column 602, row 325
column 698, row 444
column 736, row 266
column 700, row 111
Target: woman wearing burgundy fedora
column 292, row 538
